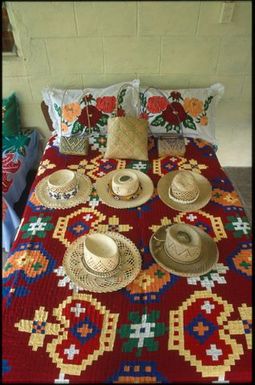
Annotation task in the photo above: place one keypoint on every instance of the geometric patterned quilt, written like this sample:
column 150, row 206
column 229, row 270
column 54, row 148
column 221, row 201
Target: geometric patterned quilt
column 161, row 328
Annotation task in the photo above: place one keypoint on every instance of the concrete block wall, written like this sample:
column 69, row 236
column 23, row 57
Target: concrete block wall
column 168, row 44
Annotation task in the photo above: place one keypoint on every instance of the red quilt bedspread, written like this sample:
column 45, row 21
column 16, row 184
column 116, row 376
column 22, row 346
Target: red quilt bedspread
column 160, row 328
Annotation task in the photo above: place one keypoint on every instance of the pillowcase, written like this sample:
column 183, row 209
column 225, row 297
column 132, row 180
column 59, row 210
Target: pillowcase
column 11, row 125
column 193, row 108
column 127, row 138
column 100, row 103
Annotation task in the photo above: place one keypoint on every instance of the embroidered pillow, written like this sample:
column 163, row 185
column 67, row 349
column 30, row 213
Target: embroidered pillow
column 193, row 109
column 10, row 116
column 92, row 107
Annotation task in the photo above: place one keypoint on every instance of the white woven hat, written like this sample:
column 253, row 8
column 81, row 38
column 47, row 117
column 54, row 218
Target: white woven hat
column 184, row 190
column 124, row 188
column 184, row 250
column 63, row 189
column 91, row 274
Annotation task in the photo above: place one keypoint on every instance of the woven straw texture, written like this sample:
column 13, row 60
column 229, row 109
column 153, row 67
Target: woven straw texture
column 84, row 190
column 145, row 192
column 74, row 145
column 62, row 181
column 127, row 138
column 184, row 187
column 171, row 146
column 208, row 256
column 204, row 186
column 126, row 272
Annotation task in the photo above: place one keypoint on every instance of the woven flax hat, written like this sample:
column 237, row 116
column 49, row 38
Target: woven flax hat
column 184, row 250
column 63, row 189
column 184, row 190
column 88, row 266
column 124, row 188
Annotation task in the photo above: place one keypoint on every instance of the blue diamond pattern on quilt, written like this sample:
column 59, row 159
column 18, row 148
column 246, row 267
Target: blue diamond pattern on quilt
column 84, row 330
column 78, row 228
column 201, row 328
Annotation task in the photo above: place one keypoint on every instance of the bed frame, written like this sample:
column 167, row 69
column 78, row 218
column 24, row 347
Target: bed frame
column 45, row 111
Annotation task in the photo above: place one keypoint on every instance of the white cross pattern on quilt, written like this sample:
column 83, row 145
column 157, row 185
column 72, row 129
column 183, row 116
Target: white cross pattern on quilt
column 142, row 330
column 71, row 352
column 37, row 226
column 214, row 352
column 78, row 309
column 207, row 306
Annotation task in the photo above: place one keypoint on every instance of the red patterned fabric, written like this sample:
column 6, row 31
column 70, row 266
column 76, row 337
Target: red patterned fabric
column 160, row 328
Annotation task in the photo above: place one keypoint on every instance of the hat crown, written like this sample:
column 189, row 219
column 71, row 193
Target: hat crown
column 100, row 252
column 183, row 187
column 62, row 181
column 125, row 182
column 183, row 243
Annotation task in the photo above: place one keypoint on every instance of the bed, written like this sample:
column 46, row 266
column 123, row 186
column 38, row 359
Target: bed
column 161, row 327
column 20, row 154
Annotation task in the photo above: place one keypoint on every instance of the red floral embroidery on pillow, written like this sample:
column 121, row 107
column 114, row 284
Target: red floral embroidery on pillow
column 94, row 116
column 120, row 112
column 144, row 115
column 106, row 103
column 174, row 113
column 156, row 104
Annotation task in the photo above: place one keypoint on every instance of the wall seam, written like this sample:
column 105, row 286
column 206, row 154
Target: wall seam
column 47, row 55
column 103, row 55
column 75, row 19
column 137, row 20
column 218, row 57
column 198, row 19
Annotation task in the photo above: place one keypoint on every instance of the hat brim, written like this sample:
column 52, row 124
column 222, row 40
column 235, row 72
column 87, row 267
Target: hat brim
column 204, row 186
column 208, row 257
column 84, row 190
column 107, row 198
column 128, row 269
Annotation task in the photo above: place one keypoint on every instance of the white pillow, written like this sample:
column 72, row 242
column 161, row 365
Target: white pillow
column 101, row 106
column 195, row 108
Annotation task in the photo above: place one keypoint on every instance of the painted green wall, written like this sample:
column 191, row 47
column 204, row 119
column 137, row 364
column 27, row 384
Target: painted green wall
column 176, row 44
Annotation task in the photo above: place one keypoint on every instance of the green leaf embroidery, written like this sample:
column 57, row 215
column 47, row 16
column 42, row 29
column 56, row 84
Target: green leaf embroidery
column 142, row 99
column 169, row 127
column 103, row 120
column 189, row 123
column 77, row 127
column 121, row 96
column 158, row 121
column 172, row 127
column 58, row 109
column 207, row 102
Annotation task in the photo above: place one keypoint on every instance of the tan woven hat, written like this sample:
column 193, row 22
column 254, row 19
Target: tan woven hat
column 184, row 190
column 88, row 274
column 184, row 250
column 125, row 188
column 63, row 189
